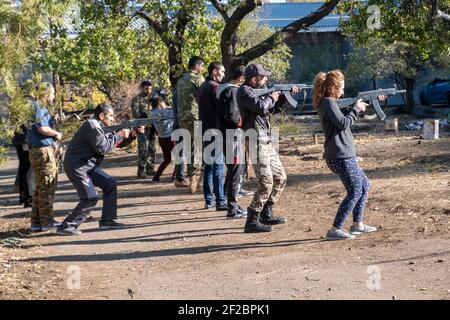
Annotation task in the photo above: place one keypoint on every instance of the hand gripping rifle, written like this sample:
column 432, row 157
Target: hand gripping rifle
column 285, row 90
column 371, row 96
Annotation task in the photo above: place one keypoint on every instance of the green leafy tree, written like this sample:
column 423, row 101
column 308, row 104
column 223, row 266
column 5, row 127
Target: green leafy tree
column 21, row 25
column 410, row 28
column 378, row 60
column 184, row 27
column 115, row 46
column 278, row 60
column 105, row 53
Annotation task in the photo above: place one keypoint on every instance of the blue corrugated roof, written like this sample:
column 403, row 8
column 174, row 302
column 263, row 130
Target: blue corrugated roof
column 281, row 14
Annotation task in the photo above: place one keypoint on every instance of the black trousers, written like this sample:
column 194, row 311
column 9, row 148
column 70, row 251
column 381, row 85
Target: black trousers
column 180, row 168
column 232, row 184
column 24, row 167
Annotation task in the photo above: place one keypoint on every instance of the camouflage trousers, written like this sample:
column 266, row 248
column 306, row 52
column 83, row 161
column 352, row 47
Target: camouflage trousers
column 270, row 175
column 146, row 151
column 43, row 162
column 192, row 167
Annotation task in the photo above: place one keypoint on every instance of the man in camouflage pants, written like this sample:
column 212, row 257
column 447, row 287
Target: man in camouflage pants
column 41, row 138
column 140, row 108
column 187, row 89
column 255, row 112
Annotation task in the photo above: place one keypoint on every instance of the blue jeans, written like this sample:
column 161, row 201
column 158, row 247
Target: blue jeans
column 213, row 176
column 357, row 186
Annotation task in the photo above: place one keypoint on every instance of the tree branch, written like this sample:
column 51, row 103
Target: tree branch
column 104, row 88
column 229, row 34
column 222, row 9
column 161, row 10
column 182, row 19
column 287, row 31
column 155, row 25
column 243, row 10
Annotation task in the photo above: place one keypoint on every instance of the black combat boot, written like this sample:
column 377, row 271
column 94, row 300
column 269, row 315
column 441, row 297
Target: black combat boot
column 252, row 225
column 268, row 218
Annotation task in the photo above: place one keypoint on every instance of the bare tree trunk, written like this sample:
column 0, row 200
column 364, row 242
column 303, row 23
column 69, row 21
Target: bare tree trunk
column 175, row 63
column 58, row 92
column 106, row 90
column 173, row 41
column 231, row 60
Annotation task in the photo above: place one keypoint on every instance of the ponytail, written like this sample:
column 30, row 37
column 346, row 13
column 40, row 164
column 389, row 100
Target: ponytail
column 326, row 85
column 318, row 82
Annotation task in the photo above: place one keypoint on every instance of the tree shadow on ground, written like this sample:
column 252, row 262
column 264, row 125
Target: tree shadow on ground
column 64, row 212
column 136, row 225
column 174, row 251
column 389, row 171
column 430, row 255
column 14, row 233
column 149, row 237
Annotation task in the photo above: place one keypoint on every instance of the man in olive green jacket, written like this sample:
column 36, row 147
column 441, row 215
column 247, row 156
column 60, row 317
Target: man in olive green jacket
column 187, row 89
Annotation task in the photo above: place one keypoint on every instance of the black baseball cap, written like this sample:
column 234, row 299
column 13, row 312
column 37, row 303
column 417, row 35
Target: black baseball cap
column 255, row 70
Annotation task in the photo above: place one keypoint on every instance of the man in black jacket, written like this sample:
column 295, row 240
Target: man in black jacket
column 270, row 173
column 82, row 162
column 214, row 165
column 230, row 121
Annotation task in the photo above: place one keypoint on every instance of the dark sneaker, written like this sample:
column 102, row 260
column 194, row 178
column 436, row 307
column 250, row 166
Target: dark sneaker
column 28, row 203
column 52, row 224
column 209, row 205
column 222, row 207
column 151, row 173
column 109, row 225
column 69, row 231
column 182, row 184
column 35, row 227
column 240, row 213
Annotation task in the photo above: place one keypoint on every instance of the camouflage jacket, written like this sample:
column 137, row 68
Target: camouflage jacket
column 187, row 89
column 141, row 106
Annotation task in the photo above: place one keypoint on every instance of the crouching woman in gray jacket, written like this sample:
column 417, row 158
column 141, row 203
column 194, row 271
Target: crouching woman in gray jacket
column 340, row 152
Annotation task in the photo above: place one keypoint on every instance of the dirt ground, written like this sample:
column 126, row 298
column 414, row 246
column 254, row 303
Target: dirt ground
column 175, row 249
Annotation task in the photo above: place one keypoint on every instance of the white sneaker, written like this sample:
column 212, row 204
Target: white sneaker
column 51, row 225
column 339, row 234
column 364, row 229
